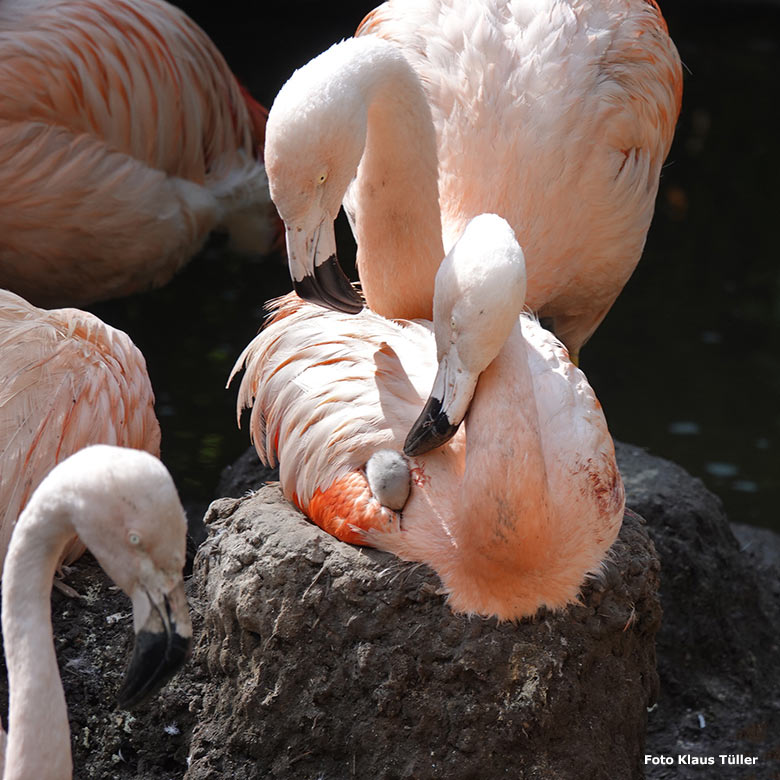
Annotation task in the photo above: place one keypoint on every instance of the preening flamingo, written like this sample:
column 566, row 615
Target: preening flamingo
column 67, row 380
column 514, row 510
column 125, row 507
column 555, row 114
column 124, row 140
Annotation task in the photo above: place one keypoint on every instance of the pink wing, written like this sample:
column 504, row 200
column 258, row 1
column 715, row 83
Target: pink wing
column 327, row 390
column 125, row 139
column 557, row 116
column 138, row 74
column 67, row 380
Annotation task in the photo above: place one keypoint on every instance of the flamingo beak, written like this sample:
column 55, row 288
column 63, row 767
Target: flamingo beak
column 162, row 642
column 453, row 389
column 431, row 429
column 315, row 269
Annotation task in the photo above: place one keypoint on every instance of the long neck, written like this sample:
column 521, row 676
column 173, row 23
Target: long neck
column 503, row 509
column 39, row 735
column 396, row 197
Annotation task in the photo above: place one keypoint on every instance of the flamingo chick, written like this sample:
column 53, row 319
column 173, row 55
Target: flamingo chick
column 67, row 380
column 124, row 505
column 513, row 509
column 124, row 140
column 555, row 114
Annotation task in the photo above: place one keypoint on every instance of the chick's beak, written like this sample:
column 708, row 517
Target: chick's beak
column 162, row 643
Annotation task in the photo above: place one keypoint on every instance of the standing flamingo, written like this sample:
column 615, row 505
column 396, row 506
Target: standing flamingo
column 517, row 507
column 124, row 140
column 67, row 380
column 555, row 114
column 124, row 505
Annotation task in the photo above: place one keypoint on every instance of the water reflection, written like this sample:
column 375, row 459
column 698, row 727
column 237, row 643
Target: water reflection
column 686, row 364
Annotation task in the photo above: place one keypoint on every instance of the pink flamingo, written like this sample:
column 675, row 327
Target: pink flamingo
column 517, row 507
column 67, row 380
column 556, row 115
column 124, row 505
column 124, row 140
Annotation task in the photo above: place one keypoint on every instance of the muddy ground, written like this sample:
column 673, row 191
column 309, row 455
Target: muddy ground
column 717, row 649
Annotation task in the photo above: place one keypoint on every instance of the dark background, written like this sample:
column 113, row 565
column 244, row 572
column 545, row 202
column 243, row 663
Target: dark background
column 687, row 362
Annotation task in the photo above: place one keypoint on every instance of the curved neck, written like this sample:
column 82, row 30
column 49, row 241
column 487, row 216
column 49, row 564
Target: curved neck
column 38, row 742
column 395, row 196
column 503, row 508
column 504, row 440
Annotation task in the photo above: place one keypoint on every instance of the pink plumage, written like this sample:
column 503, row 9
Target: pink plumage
column 124, row 140
column 518, row 507
column 67, row 380
column 555, row 114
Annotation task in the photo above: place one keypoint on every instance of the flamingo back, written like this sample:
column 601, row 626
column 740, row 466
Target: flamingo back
column 139, row 74
column 327, row 390
column 68, row 380
column 124, row 140
column 556, row 115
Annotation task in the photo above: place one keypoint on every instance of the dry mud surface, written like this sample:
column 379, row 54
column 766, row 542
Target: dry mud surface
column 315, row 659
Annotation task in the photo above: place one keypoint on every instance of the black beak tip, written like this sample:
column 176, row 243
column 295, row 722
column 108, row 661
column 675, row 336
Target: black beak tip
column 430, row 430
column 328, row 286
column 156, row 658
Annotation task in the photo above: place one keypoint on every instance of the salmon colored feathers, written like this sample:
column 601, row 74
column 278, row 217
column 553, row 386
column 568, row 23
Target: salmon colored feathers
column 67, row 380
column 124, row 140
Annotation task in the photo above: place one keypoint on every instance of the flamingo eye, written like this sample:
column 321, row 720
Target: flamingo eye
column 322, row 178
column 134, row 539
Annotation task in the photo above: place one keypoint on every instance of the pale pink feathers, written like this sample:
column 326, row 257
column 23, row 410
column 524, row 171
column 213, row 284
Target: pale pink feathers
column 124, row 140
column 329, row 389
column 556, row 115
column 67, row 380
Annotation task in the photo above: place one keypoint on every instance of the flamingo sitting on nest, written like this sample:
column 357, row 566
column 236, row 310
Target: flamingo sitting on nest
column 67, row 380
column 124, row 140
column 124, row 505
column 556, row 115
column 518, row 507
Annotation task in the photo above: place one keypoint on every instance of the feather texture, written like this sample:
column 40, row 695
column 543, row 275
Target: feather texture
column 124, row 140
column 555, row 114
column 328, row 390
column 67, row 380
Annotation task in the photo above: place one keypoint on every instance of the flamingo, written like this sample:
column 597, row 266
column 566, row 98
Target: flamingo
column 67, row 380
column 555, row 114
column 513, row 509
column 124, row 140
column 124, row 505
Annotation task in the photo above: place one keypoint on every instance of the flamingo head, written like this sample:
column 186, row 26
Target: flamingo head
column 478, row 296
column 125, row 508
column 315, row 138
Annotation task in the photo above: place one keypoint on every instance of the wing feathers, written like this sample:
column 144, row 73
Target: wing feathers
column 124, row 140
column 327, row 389
column 67, row 381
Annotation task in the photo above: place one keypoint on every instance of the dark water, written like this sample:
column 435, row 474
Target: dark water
column 687, row 364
